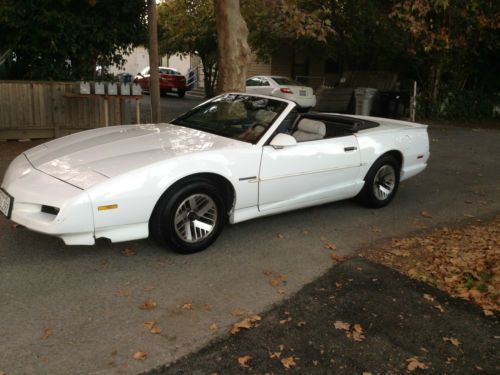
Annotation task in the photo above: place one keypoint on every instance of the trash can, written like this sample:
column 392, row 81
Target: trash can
column 364, row 100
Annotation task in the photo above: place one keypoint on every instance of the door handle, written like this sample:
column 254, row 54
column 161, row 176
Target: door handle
column 352, row 148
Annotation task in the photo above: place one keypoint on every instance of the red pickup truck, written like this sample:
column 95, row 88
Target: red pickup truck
column 171, row 80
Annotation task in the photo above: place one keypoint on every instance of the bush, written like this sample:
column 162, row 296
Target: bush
column 459, row 105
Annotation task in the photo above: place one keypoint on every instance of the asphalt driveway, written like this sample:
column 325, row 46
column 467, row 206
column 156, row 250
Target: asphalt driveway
column 76, row 309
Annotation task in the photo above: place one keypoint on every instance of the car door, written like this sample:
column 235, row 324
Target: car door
column 308, row 173
column 144, row 81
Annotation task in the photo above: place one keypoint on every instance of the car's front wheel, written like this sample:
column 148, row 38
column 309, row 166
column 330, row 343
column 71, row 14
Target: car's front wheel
column 190, row 218
column 381, row 182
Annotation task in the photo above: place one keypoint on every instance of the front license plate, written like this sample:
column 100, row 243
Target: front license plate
column 6, row 202
column 174, row 89
column 302, row 92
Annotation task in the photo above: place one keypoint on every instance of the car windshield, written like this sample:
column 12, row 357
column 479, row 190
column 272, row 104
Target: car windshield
column 242, row 117
column 282, row 81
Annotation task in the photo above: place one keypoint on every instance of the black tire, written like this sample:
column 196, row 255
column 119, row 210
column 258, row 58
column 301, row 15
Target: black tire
column 162, row 223
column 372, row 194
column 181, row 93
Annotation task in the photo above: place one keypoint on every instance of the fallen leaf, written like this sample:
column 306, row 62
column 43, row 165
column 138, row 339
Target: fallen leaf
column 150, row 304
column 243, row 361
column 338, row 285
column 356, row 333
column 47, row 332
column 15, row 225
column 282, row 347
column 140, row 356
column 149, row 288
column 286, row 320
column 288, row 362
column 213, row 327
column 281, row 291
column 376, row 229
column 273, row 355
column 414, row 363
column 428, row 297
column 337, row 258
column 305, row 232
column 128, row 252
column 123, row 293
column 323, row 238
column 237, row 312
column 244, row 324
column 280, row 278
column 342, row 325
column 366, row 373
column 149, row 324
column 331, row 246
column 487, row 312
column 454, row 341
column 301, row 323
column 209, row 307
column 280, row 236
column 155, row 330
column 426, row 214
column 439, row 307
column 187, row 306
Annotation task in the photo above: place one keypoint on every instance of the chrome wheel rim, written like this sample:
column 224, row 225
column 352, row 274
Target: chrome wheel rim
column 384, row 182
column 195, row 218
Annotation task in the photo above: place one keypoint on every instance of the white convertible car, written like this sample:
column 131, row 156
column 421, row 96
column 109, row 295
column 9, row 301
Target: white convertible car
column 235, row 157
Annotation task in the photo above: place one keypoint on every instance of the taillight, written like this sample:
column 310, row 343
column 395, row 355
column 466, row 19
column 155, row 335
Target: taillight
column 286, row 90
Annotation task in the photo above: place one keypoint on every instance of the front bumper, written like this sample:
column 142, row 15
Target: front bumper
column 33, row 189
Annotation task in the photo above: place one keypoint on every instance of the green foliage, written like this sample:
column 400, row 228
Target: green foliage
column 299, row 24
column 463, row 105
column 188, row 27
column 66, row 39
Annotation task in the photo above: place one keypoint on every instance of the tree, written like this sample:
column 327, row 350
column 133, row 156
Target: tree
column 154, row 78
column 449, row 38
column 294, row 23
column 188, row 27
column 66, row 39
column 234, row 53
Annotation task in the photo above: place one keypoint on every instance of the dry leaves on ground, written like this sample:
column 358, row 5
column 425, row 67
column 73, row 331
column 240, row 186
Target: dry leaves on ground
column 337, row 258
column 276, row 278
column 354, row 331
column 140, row 356
column 330, row 246
column 123, row 293
column 464, row 262
column 243, row 361
column 414, row 363
column 47, row 332
column 151, row 326
column 213, row 327
column 187, row 306
column 246, row 323
column 288, row 362
column 426, row 214
column 150, row 304
column 453, row 341
column 128, row 252
column 237, row 312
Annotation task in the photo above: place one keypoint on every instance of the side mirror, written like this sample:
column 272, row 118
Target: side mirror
column 283, row 140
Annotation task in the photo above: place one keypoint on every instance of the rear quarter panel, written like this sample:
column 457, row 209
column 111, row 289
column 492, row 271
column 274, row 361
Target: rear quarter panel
column 411, row 140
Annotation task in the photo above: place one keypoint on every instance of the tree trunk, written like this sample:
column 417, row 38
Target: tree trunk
column 234, row 53
column 436, row 80
column 154, row 73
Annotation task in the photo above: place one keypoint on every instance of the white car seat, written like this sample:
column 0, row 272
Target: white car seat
column 309, row 130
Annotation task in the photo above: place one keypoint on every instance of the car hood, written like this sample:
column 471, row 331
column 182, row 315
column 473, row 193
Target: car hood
column 86, row 158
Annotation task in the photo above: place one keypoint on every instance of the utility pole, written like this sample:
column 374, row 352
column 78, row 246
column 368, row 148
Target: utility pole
column 154, row 76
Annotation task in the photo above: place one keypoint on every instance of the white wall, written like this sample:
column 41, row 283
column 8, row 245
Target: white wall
column 139, row 59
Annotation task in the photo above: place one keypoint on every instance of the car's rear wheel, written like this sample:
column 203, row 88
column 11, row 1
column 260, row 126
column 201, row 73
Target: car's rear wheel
column 181, row 93
column 190, row 218
column 381, row 182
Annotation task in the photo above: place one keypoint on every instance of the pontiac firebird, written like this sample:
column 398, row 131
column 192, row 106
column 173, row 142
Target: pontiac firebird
column 233, row 158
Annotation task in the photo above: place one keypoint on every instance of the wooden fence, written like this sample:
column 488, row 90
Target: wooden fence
column 53, row 109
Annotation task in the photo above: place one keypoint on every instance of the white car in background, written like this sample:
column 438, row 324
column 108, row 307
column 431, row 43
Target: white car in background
column 233, row 158
column 282, row 87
